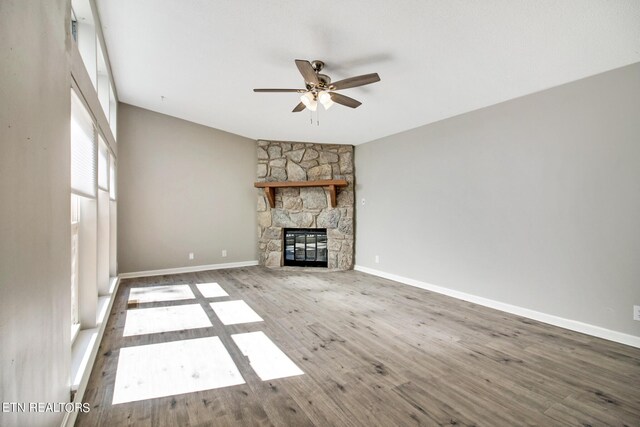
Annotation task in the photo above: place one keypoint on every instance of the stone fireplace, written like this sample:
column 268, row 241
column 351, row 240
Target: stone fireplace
column 305, row 207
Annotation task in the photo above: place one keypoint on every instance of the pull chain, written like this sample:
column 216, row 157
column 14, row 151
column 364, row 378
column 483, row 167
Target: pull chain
column 317, row 117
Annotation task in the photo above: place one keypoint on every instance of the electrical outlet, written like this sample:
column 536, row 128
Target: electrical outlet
column 191, row 255
column 224, row 253
column 636, row 312
column 377, row 259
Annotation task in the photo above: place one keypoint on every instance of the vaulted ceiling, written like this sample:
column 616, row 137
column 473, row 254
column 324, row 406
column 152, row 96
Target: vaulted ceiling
column 199, row 60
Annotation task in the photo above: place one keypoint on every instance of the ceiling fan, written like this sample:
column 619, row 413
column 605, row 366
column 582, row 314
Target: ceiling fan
column 319, row 87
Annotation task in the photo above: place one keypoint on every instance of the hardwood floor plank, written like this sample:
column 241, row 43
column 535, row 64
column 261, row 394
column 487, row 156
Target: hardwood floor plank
column 428, row 405
column 376, row 353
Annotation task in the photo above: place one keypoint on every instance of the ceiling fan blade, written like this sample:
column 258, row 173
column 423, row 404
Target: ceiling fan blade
column 280, row 90
column 307, row 71
column 298, row 108
column 365, row 79
column 344, row 100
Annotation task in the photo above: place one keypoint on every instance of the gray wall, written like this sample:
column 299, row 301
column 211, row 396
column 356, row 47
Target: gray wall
column 534, row 202
column 34, row 209
column 182, row 188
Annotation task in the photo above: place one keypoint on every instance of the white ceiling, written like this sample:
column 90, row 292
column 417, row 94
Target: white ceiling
column 436, row 59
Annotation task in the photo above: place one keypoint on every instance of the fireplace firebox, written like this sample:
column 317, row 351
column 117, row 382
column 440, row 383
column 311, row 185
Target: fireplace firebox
column 305, row 247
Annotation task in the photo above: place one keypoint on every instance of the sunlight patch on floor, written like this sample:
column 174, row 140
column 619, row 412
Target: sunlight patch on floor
column 164, row 319
column 166, row 369
column 211, row 290
column 234, row 312
column 266, row 359
column 161, row 293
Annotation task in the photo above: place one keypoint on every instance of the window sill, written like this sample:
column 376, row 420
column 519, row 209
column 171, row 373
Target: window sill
column 86, row 342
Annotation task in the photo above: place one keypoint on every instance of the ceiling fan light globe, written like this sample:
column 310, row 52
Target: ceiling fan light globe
column 325, row 99
column 308, row 101
column 324, row 96
column 327, row 104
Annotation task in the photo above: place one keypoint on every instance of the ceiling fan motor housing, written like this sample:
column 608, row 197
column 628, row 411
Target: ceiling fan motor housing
column 324, row 79
column 317, row 65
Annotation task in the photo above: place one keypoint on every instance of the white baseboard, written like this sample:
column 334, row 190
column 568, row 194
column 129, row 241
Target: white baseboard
column 189, row 269
column 573, row 325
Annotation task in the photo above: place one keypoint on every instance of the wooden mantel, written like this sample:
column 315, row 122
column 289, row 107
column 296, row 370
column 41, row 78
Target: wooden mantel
column 330, row 184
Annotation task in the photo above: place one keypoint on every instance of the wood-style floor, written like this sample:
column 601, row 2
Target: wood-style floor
column 379, row 353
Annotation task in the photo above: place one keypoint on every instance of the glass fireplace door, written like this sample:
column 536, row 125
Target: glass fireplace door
column 305, row 247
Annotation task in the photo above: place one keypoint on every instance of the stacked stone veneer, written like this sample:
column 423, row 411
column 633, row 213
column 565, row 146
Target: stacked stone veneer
column 306, row 207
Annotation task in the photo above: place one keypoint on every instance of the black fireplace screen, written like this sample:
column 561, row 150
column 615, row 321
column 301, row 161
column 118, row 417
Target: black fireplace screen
column 305, row 247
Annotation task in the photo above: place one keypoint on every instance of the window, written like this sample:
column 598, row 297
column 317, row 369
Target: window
column 83, row 150
column 74, row 25
column 93, row 52
column 92, row 186
column 113, row 112
column 75, row 228
column 86, row 36
column 112, row 179
column 83, row 202
column 104, row 86
column 103, row 166
column 113, row 245
column 93, row 216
